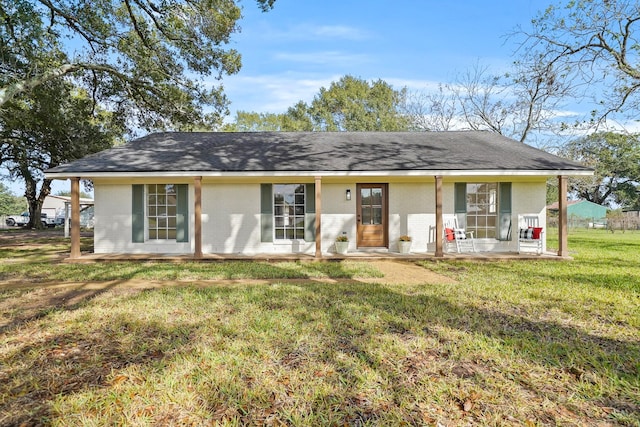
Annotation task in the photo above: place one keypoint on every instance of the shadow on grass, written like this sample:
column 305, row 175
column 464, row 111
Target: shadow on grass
column 59, row 365
column 47, row 301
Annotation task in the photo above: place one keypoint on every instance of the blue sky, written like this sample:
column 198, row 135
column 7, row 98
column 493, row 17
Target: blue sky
column 292, row 51
column 302, row 45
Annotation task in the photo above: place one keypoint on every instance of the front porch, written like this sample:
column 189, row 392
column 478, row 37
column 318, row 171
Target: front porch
column 437, row 251
column 364, row 255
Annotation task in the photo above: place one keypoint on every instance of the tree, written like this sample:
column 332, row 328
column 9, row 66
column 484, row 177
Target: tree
column 353, row 104
column 430, row 111
column 592, row 44
column 75, row 75
column 516, row 104
column 58, row 123
column 139, row 58
column 10, row 204
column 295, row 119
column 616, row 160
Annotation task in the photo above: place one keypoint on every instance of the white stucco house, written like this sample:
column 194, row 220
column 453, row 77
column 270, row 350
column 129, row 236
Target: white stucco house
column 295, row 193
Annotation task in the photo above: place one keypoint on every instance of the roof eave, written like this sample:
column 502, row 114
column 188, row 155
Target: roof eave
column 394, row 173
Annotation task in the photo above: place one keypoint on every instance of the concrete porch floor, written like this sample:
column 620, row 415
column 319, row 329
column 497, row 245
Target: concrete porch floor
column 367, row 255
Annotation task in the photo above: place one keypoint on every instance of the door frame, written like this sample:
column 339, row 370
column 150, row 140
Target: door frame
column 385, row 212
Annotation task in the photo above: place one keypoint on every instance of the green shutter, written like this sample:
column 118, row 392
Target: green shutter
column 182, row 213
column 460, row 198
column 266, row 212
column 310, row 213
column 504, row 208
column 137, row 213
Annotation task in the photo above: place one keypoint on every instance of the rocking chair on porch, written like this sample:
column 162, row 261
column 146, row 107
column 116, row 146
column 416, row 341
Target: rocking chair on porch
column 530, row 234
column 456, row 237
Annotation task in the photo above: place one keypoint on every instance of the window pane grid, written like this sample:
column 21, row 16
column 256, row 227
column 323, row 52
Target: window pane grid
column 288, row 211
column 161, row 211
column 482, row 203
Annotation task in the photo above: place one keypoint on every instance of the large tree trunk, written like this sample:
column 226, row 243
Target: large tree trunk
column 35, row 200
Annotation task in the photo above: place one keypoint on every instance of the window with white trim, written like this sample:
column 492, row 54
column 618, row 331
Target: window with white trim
column 482, row 209
column 289, row 211
column 161, row 208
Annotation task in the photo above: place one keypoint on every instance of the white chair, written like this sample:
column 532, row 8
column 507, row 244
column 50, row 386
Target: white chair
column 530, row 234
column 457, row 237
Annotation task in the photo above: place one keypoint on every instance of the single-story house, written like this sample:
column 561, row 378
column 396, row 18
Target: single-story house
column 296, row 192
column 581, row 209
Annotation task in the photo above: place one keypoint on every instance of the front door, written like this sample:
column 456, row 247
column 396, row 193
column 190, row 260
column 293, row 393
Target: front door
column 372, row 215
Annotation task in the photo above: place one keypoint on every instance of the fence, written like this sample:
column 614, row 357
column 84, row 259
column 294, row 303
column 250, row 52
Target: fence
column 613, row 223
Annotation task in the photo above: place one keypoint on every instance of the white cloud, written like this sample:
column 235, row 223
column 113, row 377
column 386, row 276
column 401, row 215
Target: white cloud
column 317, row 32
column 342, row 32
column 324, row 58
column 273, row 93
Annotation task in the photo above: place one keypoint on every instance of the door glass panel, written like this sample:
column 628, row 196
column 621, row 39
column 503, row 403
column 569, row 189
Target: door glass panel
column 377, row 216
column 366, row 196
column 366, row 215
column 376, row 196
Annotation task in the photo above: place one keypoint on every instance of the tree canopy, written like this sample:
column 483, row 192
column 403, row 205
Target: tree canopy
column 55, row 124
column 591, row 44
column 76, row 76
column 142, row 59
column 616, row 160
column 350, row 104
column 10, row 204
column 353, row 104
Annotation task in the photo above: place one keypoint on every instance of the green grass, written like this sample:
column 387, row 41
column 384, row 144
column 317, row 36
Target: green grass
column 508, row 343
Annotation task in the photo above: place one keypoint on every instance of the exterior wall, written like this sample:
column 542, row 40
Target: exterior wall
column 338, row 215
column 412, row 211
column 231, row 222
column 113, row 222
column 528, row 198
column 231, row 217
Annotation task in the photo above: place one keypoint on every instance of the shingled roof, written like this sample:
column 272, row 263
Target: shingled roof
column 318, row 152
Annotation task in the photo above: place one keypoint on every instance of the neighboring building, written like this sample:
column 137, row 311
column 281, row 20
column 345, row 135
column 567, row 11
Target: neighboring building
column 582, row 209
column 283, row 193
column 54, row 207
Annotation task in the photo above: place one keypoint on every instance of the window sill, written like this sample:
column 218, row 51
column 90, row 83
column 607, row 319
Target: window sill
column 289, row 241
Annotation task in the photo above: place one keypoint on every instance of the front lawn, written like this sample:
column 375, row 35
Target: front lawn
column 505, row 343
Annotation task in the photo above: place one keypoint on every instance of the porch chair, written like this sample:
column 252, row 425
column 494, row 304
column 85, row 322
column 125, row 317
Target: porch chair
column 530, row 234
column 457, row 237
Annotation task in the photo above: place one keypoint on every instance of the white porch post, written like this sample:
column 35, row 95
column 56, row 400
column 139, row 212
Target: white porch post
column 439, row 252
column 75, row 218
column 318, row 195
column 66, row 219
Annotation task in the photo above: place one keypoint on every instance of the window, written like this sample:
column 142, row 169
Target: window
column 289, row 211
column 482, row 209
column 162, row 204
